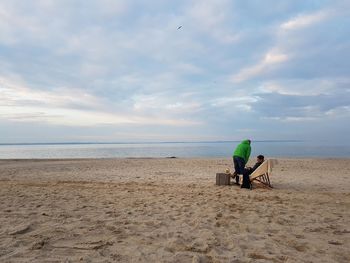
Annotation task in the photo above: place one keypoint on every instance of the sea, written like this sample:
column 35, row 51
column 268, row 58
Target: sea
column 221, row 149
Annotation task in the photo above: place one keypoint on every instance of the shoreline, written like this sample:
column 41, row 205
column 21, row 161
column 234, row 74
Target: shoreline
column 175, row 157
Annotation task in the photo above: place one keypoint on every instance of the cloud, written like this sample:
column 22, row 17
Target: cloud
column 297, row 43
column 305, row 87
column 68, row 107
column 303, row 106
column 339, row 112
column 125, row 64
column 236, row 103
column 271, row 58
column 305, row 20
column 291, row 119
column 13, row 94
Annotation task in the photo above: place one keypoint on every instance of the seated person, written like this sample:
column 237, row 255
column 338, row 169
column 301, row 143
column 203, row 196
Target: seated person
column 249, row 170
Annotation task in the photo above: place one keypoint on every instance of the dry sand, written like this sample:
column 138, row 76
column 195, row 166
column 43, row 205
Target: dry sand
column 169, row 210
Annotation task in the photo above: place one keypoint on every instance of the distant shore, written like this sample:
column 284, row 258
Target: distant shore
column 170, row 210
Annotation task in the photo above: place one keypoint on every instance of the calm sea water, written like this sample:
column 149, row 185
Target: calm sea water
column 194, row 149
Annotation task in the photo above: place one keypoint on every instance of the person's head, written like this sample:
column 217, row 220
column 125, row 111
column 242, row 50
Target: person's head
column 260, row 158
column 246, row 141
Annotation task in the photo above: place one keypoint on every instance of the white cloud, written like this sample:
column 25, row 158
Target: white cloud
column 233, row 100
column 271, row 58
column 277, row 53
column 305, row 20
column 291, row 119
column 73, row 117
column 18, row 94
column 238, row 102
column 339, row 112
column 70, row 107
column 301, row 87
column 165, row 105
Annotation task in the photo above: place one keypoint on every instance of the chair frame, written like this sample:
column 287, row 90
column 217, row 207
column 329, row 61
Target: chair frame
column 264, row 178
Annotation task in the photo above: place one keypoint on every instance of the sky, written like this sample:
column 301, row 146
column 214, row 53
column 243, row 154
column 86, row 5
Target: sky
column 187, row 70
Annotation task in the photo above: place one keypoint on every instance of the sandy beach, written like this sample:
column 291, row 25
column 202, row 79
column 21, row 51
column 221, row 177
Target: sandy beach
column 170, row 210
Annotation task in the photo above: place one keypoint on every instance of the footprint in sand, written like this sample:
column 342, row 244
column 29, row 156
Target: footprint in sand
column 301, row 247
column 341, row 232
column 20, row 229
column 39, row 244
column 257, row 256
column 334, row 242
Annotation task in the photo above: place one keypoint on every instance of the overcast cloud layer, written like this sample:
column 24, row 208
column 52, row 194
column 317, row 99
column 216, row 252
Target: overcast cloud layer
column 142, row 70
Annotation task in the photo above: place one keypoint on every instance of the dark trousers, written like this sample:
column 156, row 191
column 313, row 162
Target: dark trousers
column 246, row 179
column 238, row 163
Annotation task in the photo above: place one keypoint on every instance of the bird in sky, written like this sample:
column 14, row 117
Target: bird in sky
column 179, row 27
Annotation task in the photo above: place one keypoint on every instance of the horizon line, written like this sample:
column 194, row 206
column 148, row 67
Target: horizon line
column 142, row 142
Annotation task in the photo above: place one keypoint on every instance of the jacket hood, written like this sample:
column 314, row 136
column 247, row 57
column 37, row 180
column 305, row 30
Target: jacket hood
column 246, row 141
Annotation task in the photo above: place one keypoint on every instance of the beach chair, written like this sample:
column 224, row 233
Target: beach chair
column 263, row 172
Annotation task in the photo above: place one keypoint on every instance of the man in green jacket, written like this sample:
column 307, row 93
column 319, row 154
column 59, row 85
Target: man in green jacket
column 241, row 157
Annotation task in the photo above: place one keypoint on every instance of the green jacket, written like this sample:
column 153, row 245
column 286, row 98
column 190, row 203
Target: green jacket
column 243, row 150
